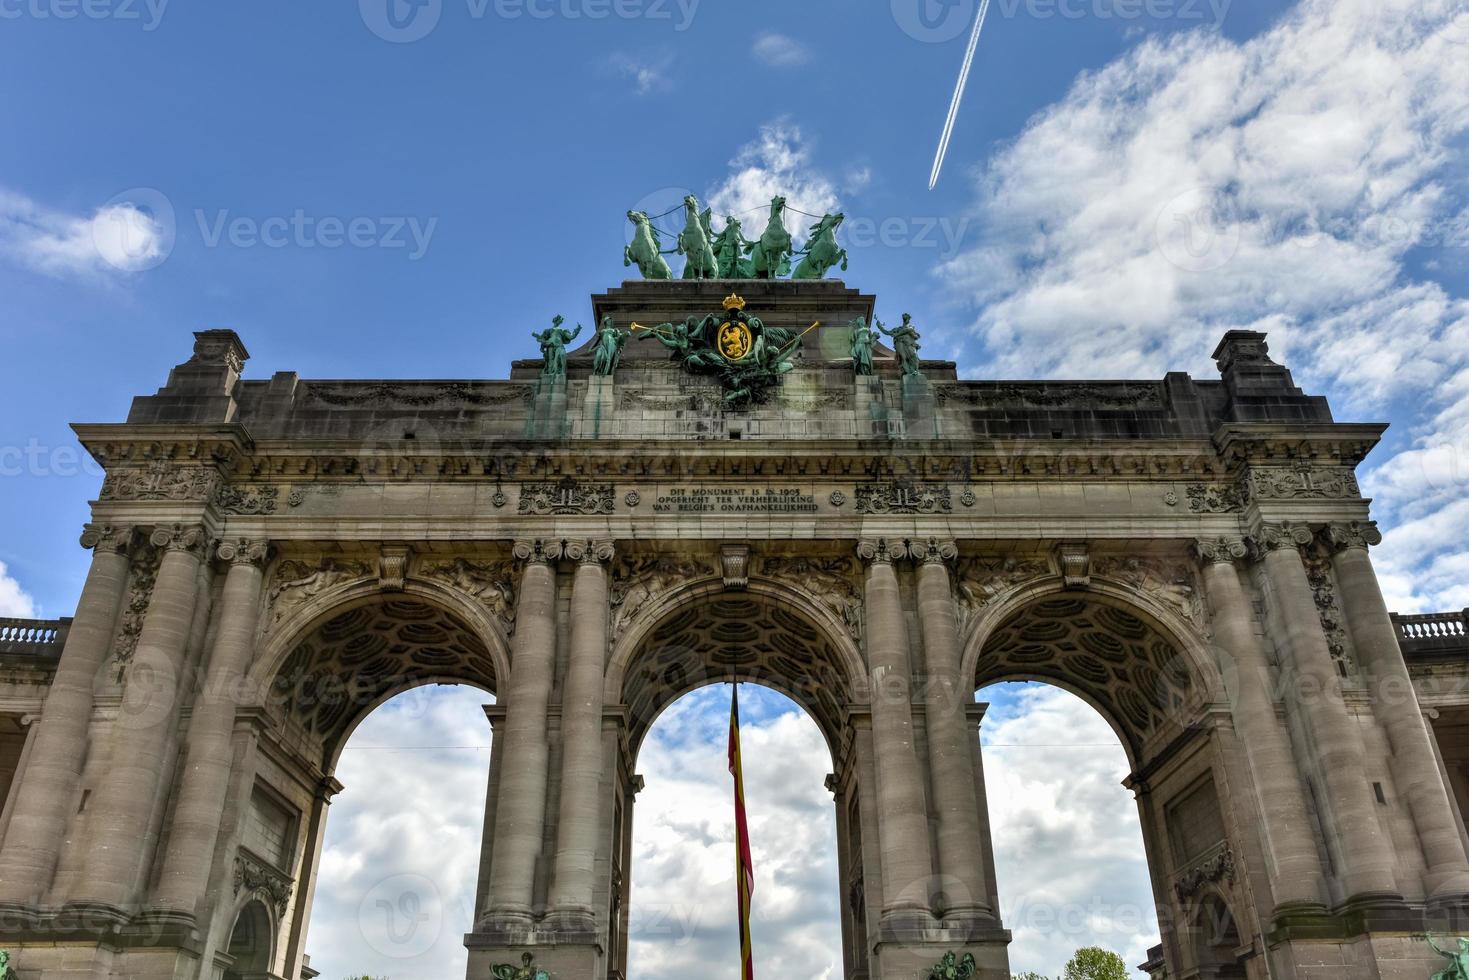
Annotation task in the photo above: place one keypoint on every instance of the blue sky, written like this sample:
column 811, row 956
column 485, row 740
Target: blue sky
column 1128, row 180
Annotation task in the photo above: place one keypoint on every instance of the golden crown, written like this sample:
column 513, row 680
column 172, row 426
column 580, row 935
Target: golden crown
column 733, row 302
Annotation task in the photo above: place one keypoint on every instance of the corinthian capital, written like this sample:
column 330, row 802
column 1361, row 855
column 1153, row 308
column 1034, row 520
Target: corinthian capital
column 1278, row 537
column 107, row 538
column 188, row 538
column 1220, row 551
column 1353, row 534
column 243, row 551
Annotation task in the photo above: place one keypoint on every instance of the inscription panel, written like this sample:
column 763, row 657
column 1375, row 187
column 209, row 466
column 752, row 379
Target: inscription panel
column 735, row 500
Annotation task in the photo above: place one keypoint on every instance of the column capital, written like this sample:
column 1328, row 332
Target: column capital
column 934, row 551
column 107, row 538
column 1221, row 550
column 1352, row 534
column 1279, row 537
column 243, row 551
column 589, row 552
column 885, row 551
column 537, row 551
column 188, row 538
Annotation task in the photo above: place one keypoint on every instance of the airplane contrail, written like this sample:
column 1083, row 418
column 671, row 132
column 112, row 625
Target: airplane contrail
column 938, row 162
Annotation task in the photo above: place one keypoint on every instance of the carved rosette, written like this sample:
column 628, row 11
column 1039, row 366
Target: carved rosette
column 1341, row 537
column 262, row 881
column 243, row 551
column 490, row 583
column 161, row 480
column 107, row 538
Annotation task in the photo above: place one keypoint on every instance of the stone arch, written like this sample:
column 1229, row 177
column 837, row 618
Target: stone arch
column 1214, row 936
column 251, row 945
column 1137, row 663
column 768, row 634
column 363, row 646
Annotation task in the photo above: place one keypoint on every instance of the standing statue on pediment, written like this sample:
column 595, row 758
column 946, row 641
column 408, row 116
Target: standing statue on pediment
column 863, row 338
column 553, row 347
column 905, row 343
column 607, row 355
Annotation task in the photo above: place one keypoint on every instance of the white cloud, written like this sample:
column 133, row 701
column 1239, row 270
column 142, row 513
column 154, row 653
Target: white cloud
column 13, row 599
column 647, row 75
column 123, row 235
column 777, row 162
column 1287, row 183
column 780, row 51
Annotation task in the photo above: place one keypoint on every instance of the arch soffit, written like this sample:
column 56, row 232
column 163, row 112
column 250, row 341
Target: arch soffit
column 1172, row 627
column 302, row 622
column 646, row 620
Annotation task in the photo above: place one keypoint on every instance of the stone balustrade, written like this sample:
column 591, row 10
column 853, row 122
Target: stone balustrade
column 33, row 637
column 1433, row 633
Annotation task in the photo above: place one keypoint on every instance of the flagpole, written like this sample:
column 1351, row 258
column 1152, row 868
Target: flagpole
column 744, row 863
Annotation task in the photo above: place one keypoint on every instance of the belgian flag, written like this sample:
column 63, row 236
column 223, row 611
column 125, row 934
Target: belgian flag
column 744, row 865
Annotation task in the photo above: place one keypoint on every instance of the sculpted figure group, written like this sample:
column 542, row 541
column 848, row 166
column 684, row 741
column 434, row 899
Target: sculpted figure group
column 905, row 345
column 729, row 254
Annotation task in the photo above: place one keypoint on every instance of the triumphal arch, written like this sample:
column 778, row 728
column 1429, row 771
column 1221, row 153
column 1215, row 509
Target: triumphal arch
column 730, row 479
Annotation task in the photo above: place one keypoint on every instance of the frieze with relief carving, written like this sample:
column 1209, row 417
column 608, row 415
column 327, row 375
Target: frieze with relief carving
column 298, row 581
column 1216, row 498
column 904, row 498
column 161, row 480
column 979, row 582
column 247, row 501
column 830, row 580
column 566, row 498
column 1302, row 481
column 410, row 395
column 638, row 579
column 491, row 583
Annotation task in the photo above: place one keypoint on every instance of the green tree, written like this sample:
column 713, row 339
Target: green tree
column 1095, row 963
column 1029, row 975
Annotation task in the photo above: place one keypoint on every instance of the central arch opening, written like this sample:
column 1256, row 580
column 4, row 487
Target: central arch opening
column 793, row 665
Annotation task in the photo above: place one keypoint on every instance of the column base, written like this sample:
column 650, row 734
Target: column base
column 895, row 959
column 560, row 954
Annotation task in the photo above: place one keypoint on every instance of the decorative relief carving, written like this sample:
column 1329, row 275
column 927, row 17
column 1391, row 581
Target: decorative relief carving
column 1170, row 582
column 297, row 582
column 161, row 480
column 1075, row 562
column 566, row 498
column 491, row 583
column 392, row 569
column 903, row 498
column 1323, row 590
column 1302, row 480
column 637, row 579
column 1216, row 498
column 400, row 395
column 735, row 559
column 1051, row 395
column 1215, row 869
column 831, row 581
column 135, row 608
column 701, row 400
column 248, row 501
column 263, row 881
column 978, row 582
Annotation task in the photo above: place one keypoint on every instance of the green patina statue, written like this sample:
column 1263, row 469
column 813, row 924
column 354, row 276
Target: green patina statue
column 1459, row 960
column 863, row 337
column 748, row 357
column 608, row 353
column 646, row 249
column 730, row 247
column 905, row 343
column 953, row 968
column 553, row 347
column 6, row 973
column 822, row 250
column 526, row 971
column 771, row 256
column 694, row 242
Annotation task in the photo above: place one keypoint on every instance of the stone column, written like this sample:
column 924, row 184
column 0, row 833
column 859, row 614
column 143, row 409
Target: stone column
column 1314, row 689
column 575, row 878
column 206, row 775
column 125, row 798
column 520, row 810
column 961, row 863
column 1296, row 877
column 902, row 815
column 50, row 782
column 1394, row 701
